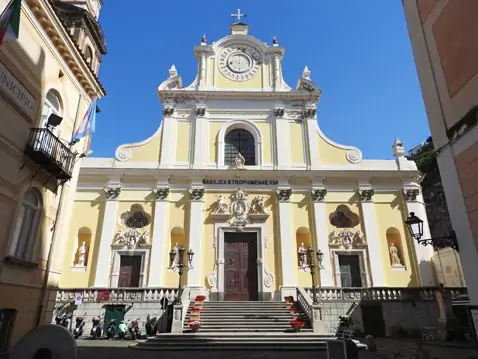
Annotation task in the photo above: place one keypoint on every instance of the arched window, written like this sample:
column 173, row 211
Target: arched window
column 88, row 55
column 28, row 221
column 242, row 141
column 52, row 105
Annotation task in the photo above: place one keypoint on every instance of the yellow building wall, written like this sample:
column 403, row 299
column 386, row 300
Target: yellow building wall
column 214, row 128
column 178, row 227
column 87, row 213
column 302, row 232
column 297, row 142
column 266, row 131
column 148, row 152
column 183, row 141
column 388, row 207
column 329, row 154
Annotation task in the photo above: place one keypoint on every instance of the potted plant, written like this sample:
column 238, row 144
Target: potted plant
column 194, row 325
column 297, row 325
column 199, row 301
column 289, row 301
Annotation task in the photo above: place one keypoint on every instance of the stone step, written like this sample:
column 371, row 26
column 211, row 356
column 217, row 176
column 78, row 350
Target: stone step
column 244, row 320
column 233, row 347
column 246, row 330
column 217, row 325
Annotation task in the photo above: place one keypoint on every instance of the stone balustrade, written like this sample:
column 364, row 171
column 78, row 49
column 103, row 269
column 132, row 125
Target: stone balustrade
column 381, row 294
column 116, row 295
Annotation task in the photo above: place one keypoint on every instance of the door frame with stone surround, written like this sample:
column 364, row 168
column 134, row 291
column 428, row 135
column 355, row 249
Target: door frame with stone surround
column 265, row 279
column 363, row 263
column 117, row 253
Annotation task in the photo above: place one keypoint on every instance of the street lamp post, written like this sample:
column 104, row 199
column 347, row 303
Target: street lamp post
column 307, row 256
column 415, row 226
column 176, row 258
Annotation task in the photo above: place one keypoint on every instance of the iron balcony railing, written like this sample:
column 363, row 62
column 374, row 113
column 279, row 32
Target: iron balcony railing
column 45, row 149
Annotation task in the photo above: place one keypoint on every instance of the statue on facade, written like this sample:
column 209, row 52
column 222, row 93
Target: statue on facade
column 144, row 237
column 240, row 161
column 346, row 238
column 394, row 255
column 303, row 256
column 258, row 205
column 176, row 256
column 221, row 204
column 82, row 255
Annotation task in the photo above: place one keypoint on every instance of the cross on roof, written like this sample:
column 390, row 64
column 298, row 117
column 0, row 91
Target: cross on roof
column 239, row 15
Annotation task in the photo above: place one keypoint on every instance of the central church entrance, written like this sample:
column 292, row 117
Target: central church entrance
column 240, row 266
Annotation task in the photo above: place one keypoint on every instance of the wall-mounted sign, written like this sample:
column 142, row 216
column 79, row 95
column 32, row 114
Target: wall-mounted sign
column 242, row 182
column 16, row 92
column 103, row 295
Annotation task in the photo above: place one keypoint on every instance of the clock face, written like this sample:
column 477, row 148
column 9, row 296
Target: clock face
column 239, row 63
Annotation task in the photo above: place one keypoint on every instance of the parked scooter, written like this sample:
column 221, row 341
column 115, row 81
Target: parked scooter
column 110, row 331
column 63, row 319
column 151, row 325
column 133, row 329
column 80, row 323
column 122, row 330
column 96, row 329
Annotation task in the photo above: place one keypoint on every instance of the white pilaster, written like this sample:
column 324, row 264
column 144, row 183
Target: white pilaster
column 322, row 237
column 195, row 279
column 282, row 137
column 288, row 256
column 312, row 140
column 106, row 239
column 371, row 235
column 158, row 261
column 202, row 77
column 276, row 72
column 424, row 254
column 199, row 136
column 167, row 154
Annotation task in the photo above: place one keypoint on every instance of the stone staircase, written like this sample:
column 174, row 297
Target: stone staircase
column 245, row 317
column 252, row 326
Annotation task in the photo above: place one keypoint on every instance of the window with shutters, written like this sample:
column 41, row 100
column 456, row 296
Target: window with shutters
column 52, row 105
column 27, row 225
column 239, row 141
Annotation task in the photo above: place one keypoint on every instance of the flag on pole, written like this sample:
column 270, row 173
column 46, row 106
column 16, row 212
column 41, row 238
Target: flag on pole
column 87, row 126
column 10, row 21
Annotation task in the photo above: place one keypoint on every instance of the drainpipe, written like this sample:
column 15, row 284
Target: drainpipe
column 54, row 229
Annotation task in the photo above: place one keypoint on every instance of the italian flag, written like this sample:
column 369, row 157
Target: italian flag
column 10, row 21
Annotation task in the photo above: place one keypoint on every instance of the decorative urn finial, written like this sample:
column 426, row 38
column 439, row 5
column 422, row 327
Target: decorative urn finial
column 398, row 149
column 203, row 40
column 275, row 42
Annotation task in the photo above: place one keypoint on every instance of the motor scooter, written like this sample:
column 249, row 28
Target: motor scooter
column 63, row 319
column 80, row 323
column 96, row 329
column 151, row 325
column 122, row 330
column 133, row 329
column 110, row 331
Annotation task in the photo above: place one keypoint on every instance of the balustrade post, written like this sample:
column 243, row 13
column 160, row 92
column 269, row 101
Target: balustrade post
column 177, row 326
column 318, row 325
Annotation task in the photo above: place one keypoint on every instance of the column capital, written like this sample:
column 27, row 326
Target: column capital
column 161, row 193
column 196, row 194
column 283, row 194
column 200, row 110
column 279, row 111
column 411, row 194
column 366, row 194
column 168, row 110
column 112, row 191
column 318, row 194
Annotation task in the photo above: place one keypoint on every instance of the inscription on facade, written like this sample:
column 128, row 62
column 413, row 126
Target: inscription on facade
column 241, row 182
column 16, row 92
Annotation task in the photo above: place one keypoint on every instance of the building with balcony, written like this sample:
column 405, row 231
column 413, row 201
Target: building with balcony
column 240, row 173
column 444, row 38
column 48, row 78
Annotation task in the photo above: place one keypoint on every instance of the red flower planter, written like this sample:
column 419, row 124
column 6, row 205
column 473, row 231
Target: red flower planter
column 297, row 325
column 200, row 298
column 194, row 325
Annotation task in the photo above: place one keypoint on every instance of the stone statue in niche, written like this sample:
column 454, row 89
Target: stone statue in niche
column 240, row 161
column 82, row 255
column 175, row 249
column 303, row 258
column 347, row 238
column 258, row 205
column 394, row 255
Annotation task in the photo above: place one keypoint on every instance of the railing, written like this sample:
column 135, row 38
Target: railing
column 47, row 150
column 115, row 295
column 381, row 294
column 305, row 301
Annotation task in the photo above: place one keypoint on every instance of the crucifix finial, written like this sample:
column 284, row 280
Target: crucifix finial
column 239, row 15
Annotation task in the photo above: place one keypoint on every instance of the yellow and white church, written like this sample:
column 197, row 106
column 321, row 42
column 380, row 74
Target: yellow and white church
column 240, row 173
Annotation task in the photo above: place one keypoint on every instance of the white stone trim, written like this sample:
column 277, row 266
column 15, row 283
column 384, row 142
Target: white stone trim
column 168, row 132
column 265, row 278
column 468, row 139
column 117, row 254
column 423, row 254
column 363, row 263
column 373, row 241
column 322, row 243
column 312, row 143
column 106, row 239
column 239, row 124
column 195, row 242
column 287, row 245
column 159, row 239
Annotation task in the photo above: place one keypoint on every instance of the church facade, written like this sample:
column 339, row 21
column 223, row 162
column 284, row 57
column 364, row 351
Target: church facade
column 240, row 173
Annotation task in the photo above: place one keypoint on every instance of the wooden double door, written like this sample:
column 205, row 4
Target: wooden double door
column 240, row 267
column 130, row 272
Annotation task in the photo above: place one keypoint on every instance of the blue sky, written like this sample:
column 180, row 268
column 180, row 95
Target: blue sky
column 358, row 51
